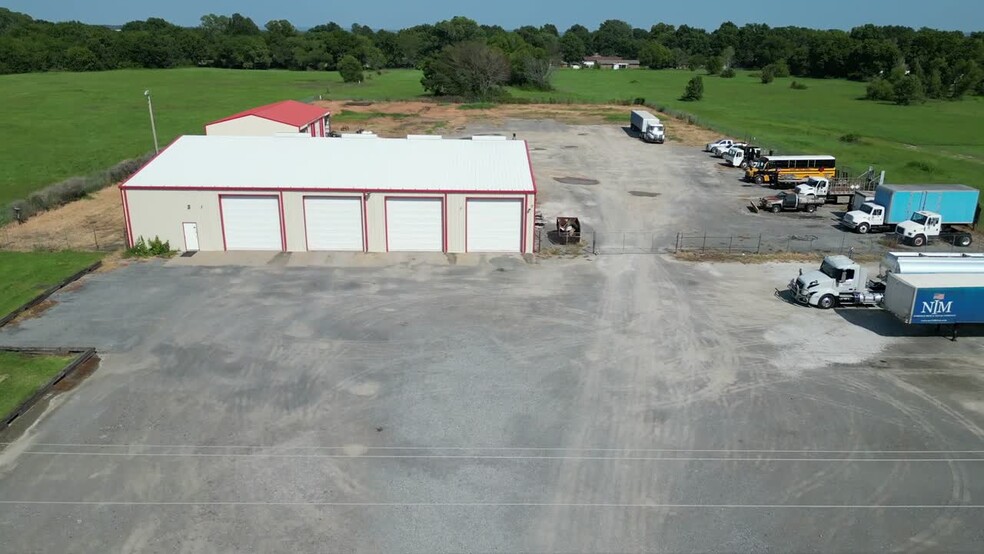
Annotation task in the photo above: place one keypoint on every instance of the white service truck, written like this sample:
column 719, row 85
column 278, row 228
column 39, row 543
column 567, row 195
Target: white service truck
column 649, row 127
column 918, row 213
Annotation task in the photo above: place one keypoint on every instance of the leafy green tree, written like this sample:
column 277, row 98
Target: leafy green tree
column 768, row 74
column 572, row 48
column 728, row 57
column 965, row 76
column 694, row 91
column 469, row 70
column 909, row 90
column 80, row 58
column 880, row 89
column 350, row 68
column 714, row 65
column 615, row 38
column 934, row 84
column 655, row 55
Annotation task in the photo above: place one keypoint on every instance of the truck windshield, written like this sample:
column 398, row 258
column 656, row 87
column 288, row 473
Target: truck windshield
column 919, row 218
column 829, row 270
column 866, row 208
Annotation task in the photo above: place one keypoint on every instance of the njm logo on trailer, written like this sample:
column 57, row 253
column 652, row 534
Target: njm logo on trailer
column 937, row 306
column 934, row 307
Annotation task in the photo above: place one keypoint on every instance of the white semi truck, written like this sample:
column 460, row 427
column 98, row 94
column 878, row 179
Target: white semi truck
column 649, row 127
column 840, row 281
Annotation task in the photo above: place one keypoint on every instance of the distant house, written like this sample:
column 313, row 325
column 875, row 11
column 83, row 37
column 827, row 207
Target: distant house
column 288, row 116
column 610, row 62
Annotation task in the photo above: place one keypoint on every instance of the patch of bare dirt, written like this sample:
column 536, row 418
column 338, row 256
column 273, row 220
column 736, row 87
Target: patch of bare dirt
column 94, row 223
column 36, row 311
column 417, row 117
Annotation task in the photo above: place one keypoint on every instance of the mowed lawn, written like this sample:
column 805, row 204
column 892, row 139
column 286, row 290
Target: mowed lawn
column 24, row 275
column 933, row 142
column 57, row 125
column 64, row 124
column 22, row 374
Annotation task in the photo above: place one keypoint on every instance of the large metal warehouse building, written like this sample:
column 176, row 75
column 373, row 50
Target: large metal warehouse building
column 289, row 116
column 369, row 195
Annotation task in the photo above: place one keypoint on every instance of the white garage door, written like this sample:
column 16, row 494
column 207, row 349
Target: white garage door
column 251, row 222
column 333, row 223
column 494, row 225
column 414, row 224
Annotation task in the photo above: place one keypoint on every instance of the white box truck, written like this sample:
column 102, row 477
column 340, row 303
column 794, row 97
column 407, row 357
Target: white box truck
column 649, row 127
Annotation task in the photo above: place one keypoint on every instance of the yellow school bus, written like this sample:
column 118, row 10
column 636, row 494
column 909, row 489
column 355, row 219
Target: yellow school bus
column 770, row 169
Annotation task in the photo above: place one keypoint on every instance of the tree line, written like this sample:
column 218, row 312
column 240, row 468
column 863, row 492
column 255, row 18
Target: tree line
column 941, row 64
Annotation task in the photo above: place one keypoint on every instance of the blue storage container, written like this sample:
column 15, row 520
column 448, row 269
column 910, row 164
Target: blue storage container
column 956, row 203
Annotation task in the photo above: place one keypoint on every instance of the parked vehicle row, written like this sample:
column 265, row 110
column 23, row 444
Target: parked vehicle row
column 917, row 214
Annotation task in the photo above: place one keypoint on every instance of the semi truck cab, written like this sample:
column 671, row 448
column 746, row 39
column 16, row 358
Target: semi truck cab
column 838, row 278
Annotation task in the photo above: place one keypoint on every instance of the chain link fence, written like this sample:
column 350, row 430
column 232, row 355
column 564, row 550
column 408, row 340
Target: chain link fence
column 840, row 243
column 94, row 238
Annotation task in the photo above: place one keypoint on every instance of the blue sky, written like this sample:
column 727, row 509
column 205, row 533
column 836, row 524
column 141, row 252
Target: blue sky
column 965, row 15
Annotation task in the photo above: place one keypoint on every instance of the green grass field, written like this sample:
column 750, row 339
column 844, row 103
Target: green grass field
column 64, row 124
column 944, row 137
column 24, row 275
column 22, row 374
column 57, row 125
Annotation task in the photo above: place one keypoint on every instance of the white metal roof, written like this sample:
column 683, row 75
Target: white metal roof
column 941, row 280
column 244, row 163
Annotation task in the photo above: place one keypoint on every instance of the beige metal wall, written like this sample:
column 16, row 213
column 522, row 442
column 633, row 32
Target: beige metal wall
column 249, row 126
column 161, row 213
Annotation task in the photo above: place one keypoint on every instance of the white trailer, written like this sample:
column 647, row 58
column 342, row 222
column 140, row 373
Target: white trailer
column 649, row 127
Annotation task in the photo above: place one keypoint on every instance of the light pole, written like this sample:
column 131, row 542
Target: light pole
column 153, row 126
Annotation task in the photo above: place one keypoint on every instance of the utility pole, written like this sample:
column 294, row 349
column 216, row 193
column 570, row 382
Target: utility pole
column 153, row 126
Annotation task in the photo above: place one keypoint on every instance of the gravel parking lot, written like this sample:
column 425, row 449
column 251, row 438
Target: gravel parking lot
column 577, row 404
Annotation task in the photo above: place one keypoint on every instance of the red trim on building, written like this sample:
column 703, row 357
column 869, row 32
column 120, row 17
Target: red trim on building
column 288, row 112
column 522, row 223
column 304, row 217
column 225, row 248
column 365, row 223
column 261, row 190
column 522, row 227
column 362, row 212
column 283, row 223
column 529, row 160
column 444, row 222
column 280, row 210
column 444, row 225
column 126, row 219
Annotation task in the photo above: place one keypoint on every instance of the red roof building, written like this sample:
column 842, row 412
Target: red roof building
column 288, row 116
